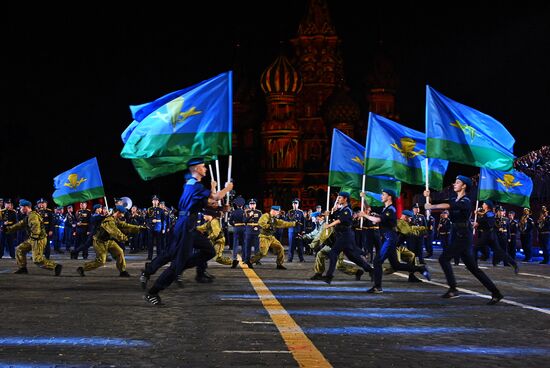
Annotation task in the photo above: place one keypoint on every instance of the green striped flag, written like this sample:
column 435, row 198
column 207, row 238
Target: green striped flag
column 459, row 133
column 400, row 152
column 79, row 184
column 347, row 168
column 513, row 187
column 166, row 133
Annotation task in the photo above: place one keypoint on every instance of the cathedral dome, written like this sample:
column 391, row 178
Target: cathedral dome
column 340, row 107
column 281, row 78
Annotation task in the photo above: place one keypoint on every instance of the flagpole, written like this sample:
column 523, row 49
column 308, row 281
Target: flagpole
column 427, row 188
column 328, row 197
column 106, row 205
column 362, row 200
column 477, row 202
column 211, row 172
column 328, row 204
column 229, row 166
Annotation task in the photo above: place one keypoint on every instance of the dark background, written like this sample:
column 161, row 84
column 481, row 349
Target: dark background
column 69, row 75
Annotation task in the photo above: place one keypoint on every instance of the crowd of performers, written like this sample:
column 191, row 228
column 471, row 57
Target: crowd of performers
column 199, row 230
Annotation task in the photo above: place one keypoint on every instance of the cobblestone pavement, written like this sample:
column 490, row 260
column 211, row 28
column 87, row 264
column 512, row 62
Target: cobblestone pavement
column 101, row 320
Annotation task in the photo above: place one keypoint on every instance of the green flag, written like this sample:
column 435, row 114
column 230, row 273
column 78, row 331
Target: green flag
column 79, row 184
column 459, row 133
column 166, row 133
column 513, row 187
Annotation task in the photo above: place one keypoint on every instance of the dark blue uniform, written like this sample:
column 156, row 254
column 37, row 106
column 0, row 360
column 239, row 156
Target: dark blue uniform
column 82, row 231
column 544, row 233
column 345, row 242
column 461, row 244
column 8, row 217
column 388, row 250
column 237, row 221
column 185, row 238
column 156, row 225
column 251, row 233
column 294, row 241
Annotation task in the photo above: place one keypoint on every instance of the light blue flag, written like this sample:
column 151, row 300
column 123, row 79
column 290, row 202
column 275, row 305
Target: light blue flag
column 79, row 184
column 346, row 168
column 166, row 133
column 513, row 187
column 459, row 133
column 398, row 151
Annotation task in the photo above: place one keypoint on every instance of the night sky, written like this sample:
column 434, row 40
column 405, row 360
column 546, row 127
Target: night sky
column 67, row 70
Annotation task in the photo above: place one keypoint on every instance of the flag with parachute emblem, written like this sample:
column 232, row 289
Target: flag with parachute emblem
column 513, row 187
column 79, row 184
column 459, row 133
column 346, row 168
column 166, row 133
column 398, row 151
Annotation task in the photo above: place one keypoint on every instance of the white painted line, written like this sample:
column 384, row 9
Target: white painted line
column 511, row 302
column 257, row 351
column 534, row 275
column 257, row 322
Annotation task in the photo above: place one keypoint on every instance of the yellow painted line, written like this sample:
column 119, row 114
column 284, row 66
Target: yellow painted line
column 303, row 350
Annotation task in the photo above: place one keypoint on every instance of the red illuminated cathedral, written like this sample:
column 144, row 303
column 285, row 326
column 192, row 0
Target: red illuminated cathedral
column 282, row 150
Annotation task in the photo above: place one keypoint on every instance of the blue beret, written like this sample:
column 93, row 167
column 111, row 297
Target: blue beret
column 195, row 161
column 239, row 201
column 96, row 206
column 390, row 192
column 252, row 200
column 24, row 202
column 120, row 208
column 408, row 213
column 276, row 208
column 466, row 180
column 315, row 214
column 344, row 194
column 489, row 203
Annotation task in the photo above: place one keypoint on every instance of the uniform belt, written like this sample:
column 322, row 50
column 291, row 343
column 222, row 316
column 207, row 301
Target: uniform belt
column 253, row 224
column 358, row 228
column 503, row 230
column 443, row 233
column 372, row 227
column 239, row 224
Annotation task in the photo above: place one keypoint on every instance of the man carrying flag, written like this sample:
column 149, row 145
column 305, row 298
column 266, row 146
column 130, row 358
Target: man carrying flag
column 185, row 237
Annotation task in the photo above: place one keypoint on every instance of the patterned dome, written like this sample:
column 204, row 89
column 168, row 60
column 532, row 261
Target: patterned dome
column 281, row 77
column 339, row 107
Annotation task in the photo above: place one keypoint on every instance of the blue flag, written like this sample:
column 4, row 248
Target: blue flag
column 79, row 184
column 459, row 133
column 347, row 167
column 166, row 133
column 513, row 187
column 396, row 150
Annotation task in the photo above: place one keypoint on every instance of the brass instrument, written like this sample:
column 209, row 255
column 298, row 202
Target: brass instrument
column 523, row 222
